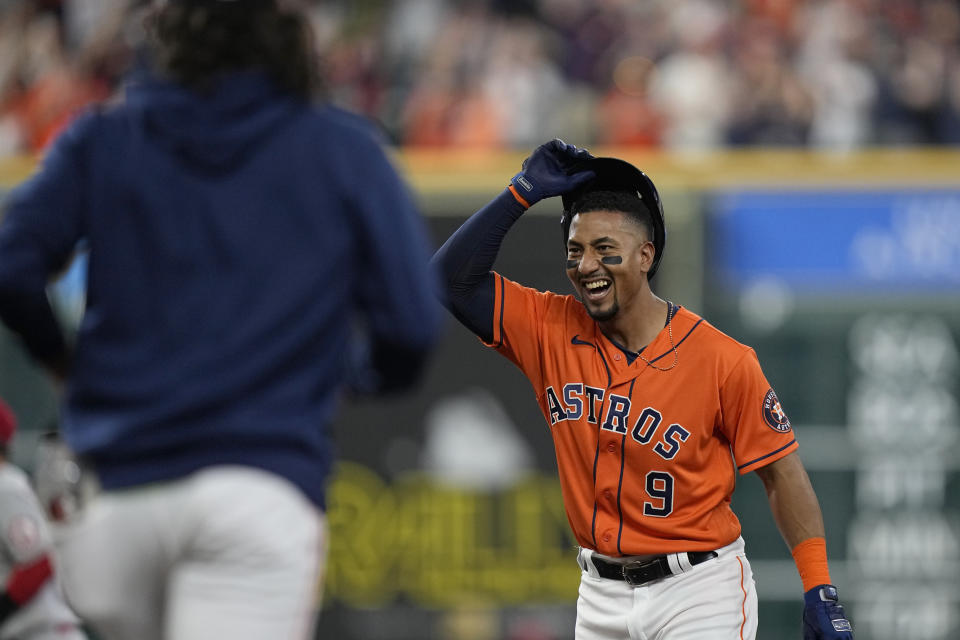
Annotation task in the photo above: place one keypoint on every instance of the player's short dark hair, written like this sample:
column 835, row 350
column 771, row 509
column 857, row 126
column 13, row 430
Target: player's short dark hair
column 194, row 42
column 623, row 201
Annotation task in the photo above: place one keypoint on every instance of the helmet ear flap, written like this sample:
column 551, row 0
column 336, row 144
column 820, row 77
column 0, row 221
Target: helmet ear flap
column 650, row 197
column 613, row 174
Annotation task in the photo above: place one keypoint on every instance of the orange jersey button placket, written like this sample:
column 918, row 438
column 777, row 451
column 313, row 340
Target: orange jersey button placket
column 608, row 516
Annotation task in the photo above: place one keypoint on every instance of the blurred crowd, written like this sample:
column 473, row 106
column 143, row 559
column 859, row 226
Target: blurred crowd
column 678, row 74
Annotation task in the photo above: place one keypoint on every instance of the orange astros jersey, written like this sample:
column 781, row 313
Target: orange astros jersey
column 647, row 458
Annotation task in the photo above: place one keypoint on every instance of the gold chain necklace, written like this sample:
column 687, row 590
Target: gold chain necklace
column 673, row 347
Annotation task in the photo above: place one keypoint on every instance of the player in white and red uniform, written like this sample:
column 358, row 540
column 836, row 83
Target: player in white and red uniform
column 31, row 604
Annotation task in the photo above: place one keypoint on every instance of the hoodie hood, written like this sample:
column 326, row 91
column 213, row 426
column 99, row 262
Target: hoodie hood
column 215, row 130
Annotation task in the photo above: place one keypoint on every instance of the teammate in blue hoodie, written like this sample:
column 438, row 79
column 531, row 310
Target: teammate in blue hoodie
column 249, row 253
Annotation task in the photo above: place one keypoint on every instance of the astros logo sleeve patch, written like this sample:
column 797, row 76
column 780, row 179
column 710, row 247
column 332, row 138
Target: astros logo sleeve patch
column 774, row 414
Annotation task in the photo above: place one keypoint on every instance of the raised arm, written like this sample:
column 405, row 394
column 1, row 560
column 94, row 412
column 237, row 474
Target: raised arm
column 465, row 260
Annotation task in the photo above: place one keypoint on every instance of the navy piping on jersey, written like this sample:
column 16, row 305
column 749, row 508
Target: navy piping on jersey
column 609, row 378
column 671, row 313
column 633, row 355
column 772, row 453
column 623, row 443
column 576, row 340
column 596, row 455
column 593, row 522
column 687, row 335
column 502, row 298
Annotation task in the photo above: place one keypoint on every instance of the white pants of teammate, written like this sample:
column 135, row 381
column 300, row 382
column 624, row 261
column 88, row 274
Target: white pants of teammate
column 714, row 600
column 227, row 552
column 44, row 617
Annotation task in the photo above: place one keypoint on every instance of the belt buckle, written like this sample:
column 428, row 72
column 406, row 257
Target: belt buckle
column 639, row 573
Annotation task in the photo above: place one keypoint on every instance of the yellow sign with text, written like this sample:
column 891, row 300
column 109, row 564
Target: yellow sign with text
column 437, row 546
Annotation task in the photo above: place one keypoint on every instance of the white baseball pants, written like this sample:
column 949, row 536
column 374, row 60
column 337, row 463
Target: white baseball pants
column 227, row 552
column 714, row 600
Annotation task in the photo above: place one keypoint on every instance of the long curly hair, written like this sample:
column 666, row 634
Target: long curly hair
column 194, row 42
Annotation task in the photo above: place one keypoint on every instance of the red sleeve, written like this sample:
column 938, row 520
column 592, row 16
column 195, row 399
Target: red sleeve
column 26, row 580
column 752, row 418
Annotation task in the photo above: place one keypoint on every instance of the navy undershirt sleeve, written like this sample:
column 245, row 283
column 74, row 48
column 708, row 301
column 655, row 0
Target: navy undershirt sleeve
column 465, row 260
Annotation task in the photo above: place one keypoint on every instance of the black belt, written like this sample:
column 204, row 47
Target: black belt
column 638, row 573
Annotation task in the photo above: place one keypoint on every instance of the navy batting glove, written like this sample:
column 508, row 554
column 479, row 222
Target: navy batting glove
column 823, row 617
column 547, row 172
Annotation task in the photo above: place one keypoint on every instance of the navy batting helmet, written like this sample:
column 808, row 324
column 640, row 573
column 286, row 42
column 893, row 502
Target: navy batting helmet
column 613, row 174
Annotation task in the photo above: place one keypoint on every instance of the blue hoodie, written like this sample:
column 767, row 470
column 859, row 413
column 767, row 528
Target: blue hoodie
column 240, row 243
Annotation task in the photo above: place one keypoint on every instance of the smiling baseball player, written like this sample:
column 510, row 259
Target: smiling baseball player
column 653, row 413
